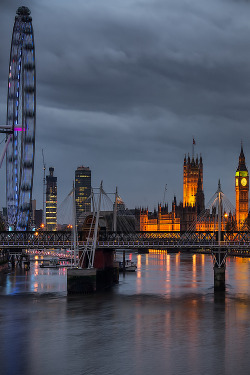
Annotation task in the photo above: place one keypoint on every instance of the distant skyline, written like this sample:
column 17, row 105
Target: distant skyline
column 124, row 87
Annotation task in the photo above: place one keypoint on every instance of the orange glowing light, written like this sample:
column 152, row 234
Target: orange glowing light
column 194, row 259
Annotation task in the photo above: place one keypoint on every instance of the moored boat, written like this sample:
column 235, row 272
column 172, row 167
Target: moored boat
column 51, row 263
column 129, row 266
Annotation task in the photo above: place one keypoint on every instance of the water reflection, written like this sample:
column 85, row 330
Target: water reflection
column 164, row 318
column 194, row 271
column 157, row 273
column 36, row 280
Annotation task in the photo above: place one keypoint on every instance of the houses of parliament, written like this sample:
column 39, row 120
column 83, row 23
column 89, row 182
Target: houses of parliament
column 190, row 214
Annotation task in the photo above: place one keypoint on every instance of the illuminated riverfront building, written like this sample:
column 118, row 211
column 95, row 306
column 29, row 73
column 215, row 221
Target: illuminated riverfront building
column 51, row 200
column 193, row 196
column 191, row 213
column 161, row 221
column 120, row 205
column 241, row 191
column 183, row 215
column 192, row 174
column 82, row 191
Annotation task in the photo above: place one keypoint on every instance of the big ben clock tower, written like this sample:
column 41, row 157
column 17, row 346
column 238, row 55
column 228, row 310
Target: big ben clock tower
column 241, row 190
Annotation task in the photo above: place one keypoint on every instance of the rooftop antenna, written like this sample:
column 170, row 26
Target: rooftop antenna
column 193, row 148
column 164, row 195
column 44, row 169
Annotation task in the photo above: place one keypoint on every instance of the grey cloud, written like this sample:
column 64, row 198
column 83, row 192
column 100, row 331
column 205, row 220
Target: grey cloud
column 124, row 87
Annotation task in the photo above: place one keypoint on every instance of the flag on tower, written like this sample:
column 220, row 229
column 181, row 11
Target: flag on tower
column 194, row 141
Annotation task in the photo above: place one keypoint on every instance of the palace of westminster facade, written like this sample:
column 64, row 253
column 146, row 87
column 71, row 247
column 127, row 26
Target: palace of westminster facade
column 189, row 214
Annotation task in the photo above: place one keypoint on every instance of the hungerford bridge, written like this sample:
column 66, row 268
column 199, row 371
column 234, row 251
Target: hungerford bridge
column 235, row 241
column 95, row 247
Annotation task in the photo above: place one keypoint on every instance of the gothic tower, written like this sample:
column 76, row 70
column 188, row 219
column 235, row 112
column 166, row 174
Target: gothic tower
column 192, row 172
column 241, row 190
column 200, row 198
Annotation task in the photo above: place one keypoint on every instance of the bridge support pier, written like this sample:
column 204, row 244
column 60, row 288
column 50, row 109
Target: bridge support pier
column 103, row 275
column 219, row 278
column 87, row 281
column 81, row 281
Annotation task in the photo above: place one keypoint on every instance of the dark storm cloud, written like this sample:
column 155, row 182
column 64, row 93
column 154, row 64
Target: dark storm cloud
column 124, row 87
column 126, row 62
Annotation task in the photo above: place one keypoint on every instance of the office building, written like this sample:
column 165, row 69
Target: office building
column 51, row 200
column 38, row 218
column 82, row 191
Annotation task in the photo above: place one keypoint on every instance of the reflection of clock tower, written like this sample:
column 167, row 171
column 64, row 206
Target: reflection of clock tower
column 241, row 190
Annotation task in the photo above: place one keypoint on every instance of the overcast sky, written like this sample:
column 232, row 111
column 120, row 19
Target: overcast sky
column 123, row 86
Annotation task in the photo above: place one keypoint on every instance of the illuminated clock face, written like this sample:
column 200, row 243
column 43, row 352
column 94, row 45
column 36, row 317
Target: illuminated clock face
column 236, row 182
column 243, row 181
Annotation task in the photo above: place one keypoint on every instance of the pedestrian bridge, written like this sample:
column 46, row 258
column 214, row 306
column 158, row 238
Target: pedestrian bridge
column 232, row 242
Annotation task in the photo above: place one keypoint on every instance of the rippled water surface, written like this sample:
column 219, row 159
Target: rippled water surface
column 163, row 319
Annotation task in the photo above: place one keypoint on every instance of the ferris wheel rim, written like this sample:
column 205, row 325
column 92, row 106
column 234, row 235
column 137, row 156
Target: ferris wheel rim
column 21, row 102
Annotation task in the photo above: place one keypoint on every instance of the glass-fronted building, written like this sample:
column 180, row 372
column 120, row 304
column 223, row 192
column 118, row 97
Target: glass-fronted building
column 51, row 200
column 82, row 191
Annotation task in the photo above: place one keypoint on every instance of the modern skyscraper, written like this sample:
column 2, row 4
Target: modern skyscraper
column 51, row 200
column 38, row 218
column 241, row 191
column 82, row 190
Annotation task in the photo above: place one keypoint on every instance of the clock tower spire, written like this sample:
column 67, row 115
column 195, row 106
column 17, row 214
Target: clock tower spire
column 241, row 190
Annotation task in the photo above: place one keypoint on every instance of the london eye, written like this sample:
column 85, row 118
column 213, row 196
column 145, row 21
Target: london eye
column 21, row 119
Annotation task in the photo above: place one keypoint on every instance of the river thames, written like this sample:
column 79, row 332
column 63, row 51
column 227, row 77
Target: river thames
column 163, row 319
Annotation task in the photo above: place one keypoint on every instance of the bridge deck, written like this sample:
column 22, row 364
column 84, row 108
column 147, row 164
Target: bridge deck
column 190, row 241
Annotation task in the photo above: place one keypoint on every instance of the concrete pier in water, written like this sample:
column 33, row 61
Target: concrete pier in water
column 103, row 275
column 84, row 281
column 219, row 278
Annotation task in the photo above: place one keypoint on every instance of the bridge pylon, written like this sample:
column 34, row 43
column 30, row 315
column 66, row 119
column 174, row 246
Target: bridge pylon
column 220, row 253
column 95, row 269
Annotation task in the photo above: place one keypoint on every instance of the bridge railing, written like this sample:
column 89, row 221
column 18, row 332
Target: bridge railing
column 108, row 236
column 64, row 239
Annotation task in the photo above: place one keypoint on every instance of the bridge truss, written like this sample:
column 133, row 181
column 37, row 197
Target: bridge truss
column 119, row 240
